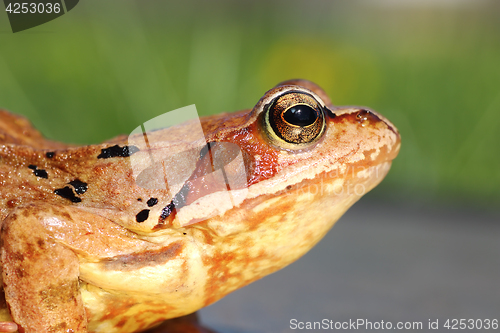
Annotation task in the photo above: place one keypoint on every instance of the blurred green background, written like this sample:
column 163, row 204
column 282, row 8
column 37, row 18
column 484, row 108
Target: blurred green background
column 431, row 67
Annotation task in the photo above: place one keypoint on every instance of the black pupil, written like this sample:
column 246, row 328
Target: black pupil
column 300, row 115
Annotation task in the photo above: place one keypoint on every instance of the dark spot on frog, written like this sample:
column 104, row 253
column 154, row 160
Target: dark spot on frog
column 166, row 212
column 41, row 173
column 50, row 154
column 142, row 215
column 41, row 243
column 17, row 256
column 13, row 203
column 184, row 233
column 67, row 193
column 38, row 172
column 289, row 187
column 80, row 187
column 19, row 272
column 139, row 199
column 178, row 202
column 151, row 202
column 117, row 151
column 129, row 262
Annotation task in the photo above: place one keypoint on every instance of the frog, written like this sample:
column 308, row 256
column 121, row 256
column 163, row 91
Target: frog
column 88, row 245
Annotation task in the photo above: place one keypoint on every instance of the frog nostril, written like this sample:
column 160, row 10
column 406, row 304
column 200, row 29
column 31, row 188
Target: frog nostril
column 365, row 116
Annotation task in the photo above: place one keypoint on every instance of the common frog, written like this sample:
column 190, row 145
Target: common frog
column 90, row 243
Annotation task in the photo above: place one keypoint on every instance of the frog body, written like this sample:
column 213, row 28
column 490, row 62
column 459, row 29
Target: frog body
column 90, row 246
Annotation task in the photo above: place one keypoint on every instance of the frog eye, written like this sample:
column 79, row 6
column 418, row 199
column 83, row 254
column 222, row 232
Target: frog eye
column 295, row 118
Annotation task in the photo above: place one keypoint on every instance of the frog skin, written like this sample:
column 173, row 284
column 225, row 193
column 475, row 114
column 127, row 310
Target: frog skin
column 86, row 248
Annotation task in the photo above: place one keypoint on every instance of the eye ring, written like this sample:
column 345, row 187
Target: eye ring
column 295, row 119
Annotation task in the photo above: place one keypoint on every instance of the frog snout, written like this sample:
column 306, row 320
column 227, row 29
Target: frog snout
column 367, row 116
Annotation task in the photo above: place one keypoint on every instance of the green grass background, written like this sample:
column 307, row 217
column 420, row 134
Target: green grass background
column 431, row 67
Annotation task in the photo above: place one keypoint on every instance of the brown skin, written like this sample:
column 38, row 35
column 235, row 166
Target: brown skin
column 91, row 242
